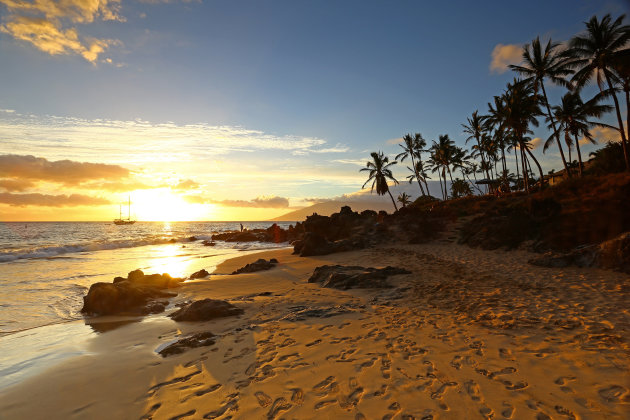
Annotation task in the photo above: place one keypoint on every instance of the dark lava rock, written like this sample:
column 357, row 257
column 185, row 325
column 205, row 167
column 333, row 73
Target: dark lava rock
column 123, row 297
column 301, row 313
column 347, row 277
column 613, row 254
column 313, row 244
column 258, row 265
column 208, row 243
column 192, row 239
column 201, row 339
column 205, row 310
column 199, row 274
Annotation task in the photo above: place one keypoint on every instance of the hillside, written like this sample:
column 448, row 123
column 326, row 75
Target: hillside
column 329, row 207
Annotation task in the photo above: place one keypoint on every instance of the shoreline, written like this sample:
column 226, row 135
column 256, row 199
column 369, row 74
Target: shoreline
column 458, row 337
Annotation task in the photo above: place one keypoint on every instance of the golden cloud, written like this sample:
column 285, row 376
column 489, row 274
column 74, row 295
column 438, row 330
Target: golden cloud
column 186, row 184
column 504, row 55
column 602, row 135
column 62, row 171
column 535, row 142
column 36, row 199
column 40, row 23
column 15, row 184
column 274, row 202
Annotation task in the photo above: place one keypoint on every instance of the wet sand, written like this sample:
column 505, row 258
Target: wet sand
column 469, row 334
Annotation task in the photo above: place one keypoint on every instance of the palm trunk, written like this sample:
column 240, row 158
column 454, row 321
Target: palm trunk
column 555, row 132
column 577, row 146
column 518, row 175
column 619, row 120
column 627, row 90
column 445, row 189
column 538, row 165
column 392, row 197
column 440, row 178
column 524, row 168
column 483, row 162
column 413, row 165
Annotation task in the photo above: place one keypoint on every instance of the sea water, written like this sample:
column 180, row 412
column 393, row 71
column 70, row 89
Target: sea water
column 46, row 268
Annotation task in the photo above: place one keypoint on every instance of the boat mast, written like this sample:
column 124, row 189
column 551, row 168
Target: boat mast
column 120, row 211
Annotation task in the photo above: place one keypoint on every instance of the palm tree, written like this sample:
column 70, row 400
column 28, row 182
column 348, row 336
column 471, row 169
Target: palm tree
column 593, row 52
column 521, row 108
column 404, row 199
column 379, row 173
column 442, row 153
column 538, row 65
column 411, row 146
column 572, row 114
column 621, row 69
column 418, row 172
column 477, row 127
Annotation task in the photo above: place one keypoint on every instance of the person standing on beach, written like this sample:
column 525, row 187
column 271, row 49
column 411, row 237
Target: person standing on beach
column 241, row 227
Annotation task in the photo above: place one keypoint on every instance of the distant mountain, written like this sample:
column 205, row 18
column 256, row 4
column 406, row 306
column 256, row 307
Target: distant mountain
column 329, row 207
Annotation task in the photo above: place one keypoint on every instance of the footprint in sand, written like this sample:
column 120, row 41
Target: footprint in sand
column 229, row 404
column 472, row 388
column 280, row 404
column 297, row 396
column 508, row 410
column 457, row 362
column 565, row 412
column 155, row 388
column 264, row 400
column 202, row 392
column 323, row 404
column 486, row 412
column 149, row 414
column 183, row 415
column 350, row 401
column 506, row 354
column 313, row 343
column 326, row 387
column 615, row 393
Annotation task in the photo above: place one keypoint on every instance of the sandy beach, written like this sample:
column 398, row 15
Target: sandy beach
column 469, row 334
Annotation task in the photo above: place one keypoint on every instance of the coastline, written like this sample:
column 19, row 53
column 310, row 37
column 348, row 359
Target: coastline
column 470, row 333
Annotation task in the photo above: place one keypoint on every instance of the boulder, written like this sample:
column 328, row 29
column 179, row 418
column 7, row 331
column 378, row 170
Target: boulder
column 613, row 254
column 348, row 277
column 199, row 274
column 201, row 339
column 161, row 281
column 258, row 265
column 208, row 243
column 313, row 244
column 205, row 310
column 124, row 297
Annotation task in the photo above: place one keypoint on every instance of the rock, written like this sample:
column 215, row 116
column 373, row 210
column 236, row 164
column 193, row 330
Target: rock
column 123, row 297
column 199, row 274
column 192, row 239
column 613, row 254
column 208, row 243
column 205, row 310
column 301, row 313
column 347, row 277
column 258, row 265
column 201, row 339
column 161, row 281
column 313, row 244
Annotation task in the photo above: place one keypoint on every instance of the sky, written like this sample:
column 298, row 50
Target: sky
column 244, row 110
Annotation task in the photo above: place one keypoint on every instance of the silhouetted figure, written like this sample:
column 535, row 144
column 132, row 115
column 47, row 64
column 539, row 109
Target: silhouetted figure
column 241, row 227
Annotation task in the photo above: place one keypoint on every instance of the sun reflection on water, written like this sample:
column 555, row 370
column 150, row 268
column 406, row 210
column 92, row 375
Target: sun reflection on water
column 171, row 259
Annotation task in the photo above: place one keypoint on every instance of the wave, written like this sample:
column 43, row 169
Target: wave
column 56, row 251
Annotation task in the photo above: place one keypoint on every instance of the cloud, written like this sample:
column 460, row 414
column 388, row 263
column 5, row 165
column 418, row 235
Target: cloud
column 535, row 142
column 602, row 135
column 15, row 184
column 36, row 199
column 259, row 202
column 44, row 24
column 504, row 55
column 159, row 142
column 62, row 171
column 117, row 186
column 394, row 141
column 358, row 162
column 186, row 184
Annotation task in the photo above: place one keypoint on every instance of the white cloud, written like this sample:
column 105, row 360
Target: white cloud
column 602, row 135
column 397, row 140
column 504, row 55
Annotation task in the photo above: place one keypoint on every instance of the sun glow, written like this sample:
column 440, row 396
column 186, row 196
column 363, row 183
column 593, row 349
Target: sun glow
column 163, row 205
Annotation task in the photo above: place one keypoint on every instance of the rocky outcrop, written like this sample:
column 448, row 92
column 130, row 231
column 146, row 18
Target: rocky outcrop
column 135, row 295
column 205, row 310
column 273, row 233
column 258, row 265
column 199, row 274
column 201, row 339
column 348, row 277
column 124, row 297
column 613, row 254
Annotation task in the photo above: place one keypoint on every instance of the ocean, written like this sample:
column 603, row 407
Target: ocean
column 47, row 267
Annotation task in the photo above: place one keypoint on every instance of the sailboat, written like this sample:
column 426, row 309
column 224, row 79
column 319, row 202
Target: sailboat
column 127, row 221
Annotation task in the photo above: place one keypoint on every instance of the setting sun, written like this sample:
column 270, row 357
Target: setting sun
column 163, row 205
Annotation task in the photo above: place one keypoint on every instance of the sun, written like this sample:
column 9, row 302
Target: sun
column 161, row 204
